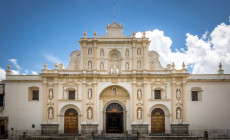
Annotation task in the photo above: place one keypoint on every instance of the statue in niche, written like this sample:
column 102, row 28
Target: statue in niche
column 178, row 93
column 50, row 116
column 139, row 112
column 114, row 70
column 127, row 65
column 90, row 113
column 178, row 113
column 90, row 65
column 138, row 51
column 127, row 53
column 139, row 64
column 114, row 91
column 114, row 56
column 89, row 93
column 102, row 66
column 50, row 93
column 89, row 51
column 139, row 94
column 102, row 52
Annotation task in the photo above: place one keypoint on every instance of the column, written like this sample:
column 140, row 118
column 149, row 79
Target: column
column 173, row 101
column 95, row 57
column 184, row 97
column 84, row 113
column 56, row 100
column 84, row 56
column 45, row 100
column 145, row 54
column 95, row 102
column 134, row 95
column 145, row 101
column 134, row 57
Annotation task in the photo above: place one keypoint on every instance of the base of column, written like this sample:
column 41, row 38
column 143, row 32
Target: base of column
column 141, row 128
column 88, row 129
column 49, row 129
column 179, row 129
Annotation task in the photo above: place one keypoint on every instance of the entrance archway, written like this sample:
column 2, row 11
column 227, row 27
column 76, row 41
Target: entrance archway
column 71, row 121
column 157, row 121
column 114, row 118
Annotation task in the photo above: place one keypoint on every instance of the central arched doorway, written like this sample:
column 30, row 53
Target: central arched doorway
column 114, row 118
column 71, row 121
column 157, row 121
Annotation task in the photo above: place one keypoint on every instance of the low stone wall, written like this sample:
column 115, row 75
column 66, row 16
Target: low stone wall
column 49, row 129
column 141, row 128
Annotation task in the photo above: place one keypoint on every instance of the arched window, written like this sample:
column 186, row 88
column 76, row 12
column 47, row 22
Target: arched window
column 139, row 51
column 33, row 94
column 90, row 51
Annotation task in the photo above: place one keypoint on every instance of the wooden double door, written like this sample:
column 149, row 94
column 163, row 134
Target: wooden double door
column 157, row 121
column 71, row 121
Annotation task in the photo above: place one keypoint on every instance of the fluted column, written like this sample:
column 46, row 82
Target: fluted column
column 173, row 101
column 184, row 97
column 55, row 101
column 145, row 101
column 45, row 100
column 84, row 113
column 95, row 102
column 134, row 102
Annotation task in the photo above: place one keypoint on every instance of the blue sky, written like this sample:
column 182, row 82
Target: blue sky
column 36, row 31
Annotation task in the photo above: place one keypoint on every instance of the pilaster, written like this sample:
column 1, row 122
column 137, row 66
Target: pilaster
column 184, row 97
column 134, row 65
column 84, row 113
column 84, row 56
column 95, row 100
column 173, row 87
column 134, row 95
column 145, row 101
column 55, row 100
column 44, row 99
column 145, row 56
column 95, row 57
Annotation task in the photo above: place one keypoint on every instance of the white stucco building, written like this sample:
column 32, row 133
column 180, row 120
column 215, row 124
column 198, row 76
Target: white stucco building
column 114, row 84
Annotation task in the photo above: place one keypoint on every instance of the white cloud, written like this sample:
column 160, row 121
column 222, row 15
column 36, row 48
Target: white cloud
column 34, row 72
column 25, row 72
column 51, row 58
column 15, row 72
column 202, row 55
column 2, row 74
column 14, row 61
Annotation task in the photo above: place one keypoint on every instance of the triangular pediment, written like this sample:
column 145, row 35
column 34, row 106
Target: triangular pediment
column 114, row 25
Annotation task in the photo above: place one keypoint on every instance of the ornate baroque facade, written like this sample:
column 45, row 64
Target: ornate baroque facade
column 114, row 84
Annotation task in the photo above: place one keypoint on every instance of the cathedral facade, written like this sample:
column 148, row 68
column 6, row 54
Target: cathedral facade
column 114, row 84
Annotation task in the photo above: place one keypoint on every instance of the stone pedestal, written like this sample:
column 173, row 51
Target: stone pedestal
column 179, row 129
column 49, row 129
column 87, row 129
column 141, row 128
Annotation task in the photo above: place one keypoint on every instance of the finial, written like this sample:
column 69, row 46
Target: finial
column 220, row 66
column 85, row 34
column 56, row 65
column 183, row 65
column 95, row 34
column 8, row 67
column 134, row 34
column 121, row 24
column 45, row 66
column 173, row 65
column 144, row 35
column 107, row 24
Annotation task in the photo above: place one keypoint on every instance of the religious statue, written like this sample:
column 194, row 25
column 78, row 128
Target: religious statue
column 114, row 70
column 50, row 113
column 139, row 96
column 90, row 65
column 102, row 52
column 178, row 93
column 90, row 113
column 138, row 64
column 178, row 113
column 139, row 114
column 90, row 51
column 114, row 91
column 127, row 65
column 89, row 93
column 127, row 53
column 102, row 66
column 50, row 93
